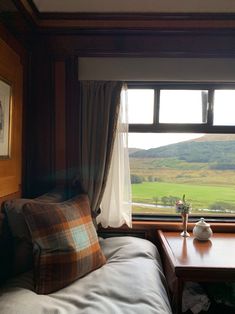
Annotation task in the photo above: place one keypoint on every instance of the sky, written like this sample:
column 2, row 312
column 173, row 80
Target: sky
column 152, row 140
column 175, row 108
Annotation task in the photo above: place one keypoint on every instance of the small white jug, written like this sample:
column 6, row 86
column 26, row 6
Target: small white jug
column 202, row 230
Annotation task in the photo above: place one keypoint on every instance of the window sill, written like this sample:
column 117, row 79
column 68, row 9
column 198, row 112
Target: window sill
column 150, row 226
column 177, row 225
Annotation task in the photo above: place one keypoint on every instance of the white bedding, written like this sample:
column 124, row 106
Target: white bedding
column 132, row 282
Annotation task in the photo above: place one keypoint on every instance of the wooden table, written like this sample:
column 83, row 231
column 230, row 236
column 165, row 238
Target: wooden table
column 187, row 259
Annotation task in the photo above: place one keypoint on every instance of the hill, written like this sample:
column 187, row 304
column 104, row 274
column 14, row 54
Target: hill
column 134, row 150
column 218, row 150
column 215, row 138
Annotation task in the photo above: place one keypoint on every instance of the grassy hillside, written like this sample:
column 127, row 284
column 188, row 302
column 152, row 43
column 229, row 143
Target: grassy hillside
column 173, row 170
column 203, row 170
column 191, row 151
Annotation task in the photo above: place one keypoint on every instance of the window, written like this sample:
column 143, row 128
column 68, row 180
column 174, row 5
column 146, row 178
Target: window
column 182, row 141
column 137, row 100
column 183, row 106
column 224, row 102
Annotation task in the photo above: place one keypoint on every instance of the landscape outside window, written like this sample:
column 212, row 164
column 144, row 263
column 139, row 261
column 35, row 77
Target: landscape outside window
column 164, row 166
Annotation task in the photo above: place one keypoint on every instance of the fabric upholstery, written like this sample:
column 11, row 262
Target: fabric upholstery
column 65, row 242
column 131, row 282
column 6, row 252
column 22, row 259
column 98, row 115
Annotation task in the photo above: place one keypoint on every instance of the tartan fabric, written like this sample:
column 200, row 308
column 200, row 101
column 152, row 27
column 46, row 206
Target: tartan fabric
column 21, row 248
column 65, row 242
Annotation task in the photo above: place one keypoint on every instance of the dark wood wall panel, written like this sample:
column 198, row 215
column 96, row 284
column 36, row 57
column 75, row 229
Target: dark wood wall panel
column 52, row 149
column 72, row 114
column 60, row 122
column 40, row 137
column 163, row 44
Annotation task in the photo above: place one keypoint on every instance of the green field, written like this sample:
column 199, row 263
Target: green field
column 200, row 196
column 204, row 188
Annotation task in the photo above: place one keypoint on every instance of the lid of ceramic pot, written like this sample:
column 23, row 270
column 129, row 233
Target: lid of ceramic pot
column 202, row 223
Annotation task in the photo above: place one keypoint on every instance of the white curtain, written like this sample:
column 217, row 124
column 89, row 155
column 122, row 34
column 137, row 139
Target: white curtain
column 116, row 208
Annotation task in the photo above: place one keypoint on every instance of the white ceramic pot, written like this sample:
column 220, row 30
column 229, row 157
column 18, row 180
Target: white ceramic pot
column 202, row 230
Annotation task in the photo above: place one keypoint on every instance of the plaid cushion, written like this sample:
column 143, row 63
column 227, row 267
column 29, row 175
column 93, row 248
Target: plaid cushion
column 22, row 259
column 65, row 242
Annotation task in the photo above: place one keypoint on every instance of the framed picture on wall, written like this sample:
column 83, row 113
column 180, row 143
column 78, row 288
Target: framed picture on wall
column 5, row 119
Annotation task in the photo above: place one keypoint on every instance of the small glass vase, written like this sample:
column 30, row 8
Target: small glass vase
column 185, row 233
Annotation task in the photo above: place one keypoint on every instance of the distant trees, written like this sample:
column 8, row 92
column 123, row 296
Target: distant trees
column 136, row 179
column 153, row 179
column 166, row 200
column 139, row 179
column 156, row 199
column 169, row 200
column 222, row 206
column 223, row 166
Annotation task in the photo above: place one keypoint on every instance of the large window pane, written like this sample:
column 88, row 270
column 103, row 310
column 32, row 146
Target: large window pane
column 166, row 166
column 140, row 106
column 183, row 106
column 224, row 107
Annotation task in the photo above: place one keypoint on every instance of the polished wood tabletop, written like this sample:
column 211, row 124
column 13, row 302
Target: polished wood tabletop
column 216, row 254
column 187, row 259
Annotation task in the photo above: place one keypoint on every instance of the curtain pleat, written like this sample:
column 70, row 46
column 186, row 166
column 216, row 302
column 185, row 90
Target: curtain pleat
column 99, row 109
column 116, row 205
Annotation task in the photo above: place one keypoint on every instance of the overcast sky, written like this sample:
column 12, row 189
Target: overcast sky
column 178, row 108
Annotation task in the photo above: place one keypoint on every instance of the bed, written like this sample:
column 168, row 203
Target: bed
column 122, row 275
column 131, row 281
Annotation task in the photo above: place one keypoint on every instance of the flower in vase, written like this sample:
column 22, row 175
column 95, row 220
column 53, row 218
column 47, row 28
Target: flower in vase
column 182, row 206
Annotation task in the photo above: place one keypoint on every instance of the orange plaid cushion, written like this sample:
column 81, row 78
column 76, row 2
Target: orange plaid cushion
column 65, row 242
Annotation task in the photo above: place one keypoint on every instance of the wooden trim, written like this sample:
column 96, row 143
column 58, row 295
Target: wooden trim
column 28, row 10
column 10, row 196
column 12, row 42
column 60, row 128
column 177, row 226
column 71, row 123
column 32, row 7
column 135, row 16
column 170, row 226
column 164, row 245
column 149, row 229
column 126, row 20
column 181, row 128
column 25, row 119
column 136, row 24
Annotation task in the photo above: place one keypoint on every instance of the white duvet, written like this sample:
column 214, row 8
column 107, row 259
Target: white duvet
column 131, row 282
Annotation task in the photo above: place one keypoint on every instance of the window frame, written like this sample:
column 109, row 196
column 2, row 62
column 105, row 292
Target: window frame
column 160, row 127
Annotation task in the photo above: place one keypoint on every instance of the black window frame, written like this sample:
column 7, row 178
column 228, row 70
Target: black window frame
column 159, row 127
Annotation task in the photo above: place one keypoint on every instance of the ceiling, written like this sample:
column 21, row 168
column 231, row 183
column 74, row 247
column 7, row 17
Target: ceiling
column 135, row 6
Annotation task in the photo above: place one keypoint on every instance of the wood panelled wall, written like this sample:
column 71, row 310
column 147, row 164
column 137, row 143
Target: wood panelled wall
column 60, row 121
column 11, row 70
column 40, row 135
column 52, row 120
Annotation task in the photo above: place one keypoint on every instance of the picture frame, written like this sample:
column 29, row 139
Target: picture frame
column 5, row 118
